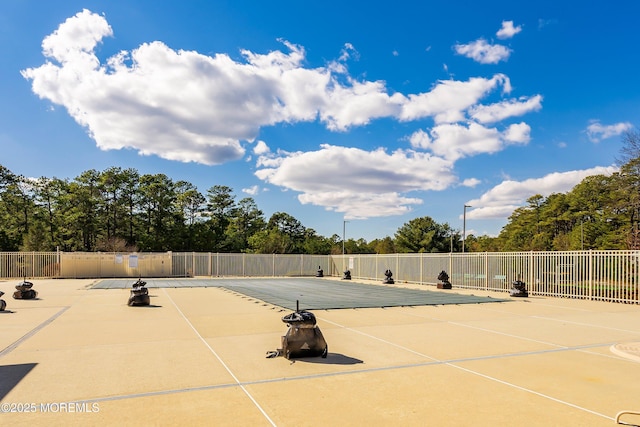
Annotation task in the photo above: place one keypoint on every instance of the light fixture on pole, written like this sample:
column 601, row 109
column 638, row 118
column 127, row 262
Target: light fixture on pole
column 464, row 225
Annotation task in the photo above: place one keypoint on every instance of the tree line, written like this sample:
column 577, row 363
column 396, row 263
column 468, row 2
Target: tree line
column 601, row 212
column 119, row 210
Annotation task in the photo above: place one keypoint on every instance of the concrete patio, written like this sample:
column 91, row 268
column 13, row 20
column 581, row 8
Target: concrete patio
column 196, row 356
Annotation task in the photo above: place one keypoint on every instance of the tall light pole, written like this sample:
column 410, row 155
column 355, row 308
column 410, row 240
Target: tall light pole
column 464, row 225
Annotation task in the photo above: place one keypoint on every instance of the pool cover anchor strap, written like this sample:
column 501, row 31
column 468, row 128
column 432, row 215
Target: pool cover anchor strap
column 303, row 338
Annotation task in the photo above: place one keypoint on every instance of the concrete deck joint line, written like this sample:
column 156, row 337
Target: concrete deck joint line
column 434, row 362
column 220, row 360
column 487, row 330
column 453, row 365
column 532, row 392
column 32, row 332
column 591, row 325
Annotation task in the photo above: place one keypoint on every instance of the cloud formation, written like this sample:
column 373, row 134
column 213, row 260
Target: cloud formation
column 358, row 183
column 455, row 141
column 504, row 198
column 507, row 30
column 483, row 52
column 505, row 109
column 190, row 107
column 596, row 132
column 186, row 106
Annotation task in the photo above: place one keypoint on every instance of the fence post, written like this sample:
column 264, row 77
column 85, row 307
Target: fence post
column 193, row 264
column 530, row 268
column 590, row 274
column 486, row 271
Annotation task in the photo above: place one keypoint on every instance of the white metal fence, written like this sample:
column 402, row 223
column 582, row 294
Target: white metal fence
column 595, row 275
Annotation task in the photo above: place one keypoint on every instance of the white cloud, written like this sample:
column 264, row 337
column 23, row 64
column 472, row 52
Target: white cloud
column 361, row 205
column 182, row 105
column 356, row 182
column 76, row 38
column 508, row 30
column 504, row 198
column 483, row 52
column 189, row 107
column 597, row 132
column 356, row 105
column 261, row 148
column 252, row 191
column 519, row 133
column 448, row 100
column 455, row 141
column 470, row 182
column 420, row 139
column 348, row 52
column 502, row 110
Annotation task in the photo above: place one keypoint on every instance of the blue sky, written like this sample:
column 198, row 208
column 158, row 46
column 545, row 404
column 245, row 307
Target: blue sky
column 371, row 113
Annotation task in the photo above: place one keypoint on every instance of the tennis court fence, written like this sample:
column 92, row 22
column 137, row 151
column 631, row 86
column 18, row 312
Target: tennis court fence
column 594, row 275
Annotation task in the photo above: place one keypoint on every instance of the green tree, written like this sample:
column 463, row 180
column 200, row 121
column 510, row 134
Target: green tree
column 283, row 234
column 246, row 220
column 423, row 235
column 159, row 212
column 316, row 244
column 20, row 209
column 190, row 205
column 85, row 227
column 49, row 195
column 10, row 216
column 523, row 232
column 482, row 244
column 628, row 198
column 383, row 246
column 220, row 210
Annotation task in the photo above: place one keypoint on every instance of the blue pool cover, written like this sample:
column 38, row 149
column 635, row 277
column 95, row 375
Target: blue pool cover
column 313, row 293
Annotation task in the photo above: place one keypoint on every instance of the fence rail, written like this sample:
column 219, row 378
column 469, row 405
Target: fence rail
column 595, row 275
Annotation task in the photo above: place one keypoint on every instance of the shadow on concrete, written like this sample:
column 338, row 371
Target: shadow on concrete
column 331, row 359
column 11, row 375
column 146, row 306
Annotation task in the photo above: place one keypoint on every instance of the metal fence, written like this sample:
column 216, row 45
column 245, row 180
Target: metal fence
column 594, row 275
